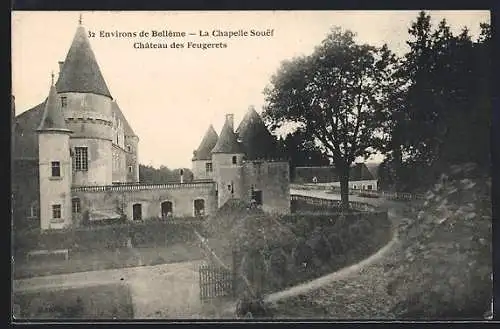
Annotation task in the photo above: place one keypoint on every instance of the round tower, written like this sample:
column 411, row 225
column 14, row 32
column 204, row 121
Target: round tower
column 86, row 103
column 54, row 166
column 227, row 159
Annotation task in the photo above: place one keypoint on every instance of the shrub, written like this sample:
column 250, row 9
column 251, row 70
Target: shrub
column 157, row 261
column 447, row 258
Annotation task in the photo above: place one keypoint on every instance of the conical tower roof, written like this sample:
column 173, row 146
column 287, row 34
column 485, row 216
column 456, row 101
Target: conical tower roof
column 53, row 117
column 80, row 71
column 203, row 152
column 227, row 142
column 256, row 139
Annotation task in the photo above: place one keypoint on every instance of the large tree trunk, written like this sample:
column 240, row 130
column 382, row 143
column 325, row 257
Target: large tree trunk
column 398, row 166
column 344, row 188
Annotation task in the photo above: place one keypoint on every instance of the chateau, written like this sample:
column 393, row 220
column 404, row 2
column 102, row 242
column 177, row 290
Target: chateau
column 75, row 159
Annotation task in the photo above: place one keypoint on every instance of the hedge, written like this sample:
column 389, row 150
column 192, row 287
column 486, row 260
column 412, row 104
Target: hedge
column 142, row 234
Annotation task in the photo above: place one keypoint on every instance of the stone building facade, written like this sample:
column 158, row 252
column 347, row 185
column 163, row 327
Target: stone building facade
column 75, row 159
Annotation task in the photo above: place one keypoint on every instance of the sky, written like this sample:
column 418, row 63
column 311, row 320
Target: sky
column 171, row 96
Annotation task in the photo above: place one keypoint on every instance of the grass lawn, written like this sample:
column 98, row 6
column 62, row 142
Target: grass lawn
column 97, row 302
column 82, row 261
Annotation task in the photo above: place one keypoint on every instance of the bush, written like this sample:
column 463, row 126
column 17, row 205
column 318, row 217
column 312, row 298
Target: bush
column 447, row 258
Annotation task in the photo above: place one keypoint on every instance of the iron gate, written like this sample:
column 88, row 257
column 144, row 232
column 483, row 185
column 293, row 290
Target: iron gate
column 215, row 282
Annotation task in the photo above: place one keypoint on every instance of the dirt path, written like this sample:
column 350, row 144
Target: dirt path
column 162, row 291
column 347, row 271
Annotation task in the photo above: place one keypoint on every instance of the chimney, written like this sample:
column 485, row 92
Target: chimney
column 230, row 120
column 61, row 63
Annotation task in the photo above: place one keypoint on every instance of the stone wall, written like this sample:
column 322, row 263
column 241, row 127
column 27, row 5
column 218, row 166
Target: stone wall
column 132, row 158
column 54, row 190
column 273, row 180
column 150, row 197
column 200, row 169
column 119, row 164
column 25, row 193
column 100, row 165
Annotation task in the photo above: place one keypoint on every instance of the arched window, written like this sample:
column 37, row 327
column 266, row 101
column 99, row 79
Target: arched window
column 137, row 211
column 199, row 207
column 167, row 209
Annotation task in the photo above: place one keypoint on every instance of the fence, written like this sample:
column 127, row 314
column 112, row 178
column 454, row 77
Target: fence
column 215, row 281
column 404, row 196
column 331, row 204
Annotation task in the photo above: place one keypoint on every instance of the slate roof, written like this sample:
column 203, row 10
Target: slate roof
column 203, row 152
column 373, row 168
column 80, row 71
column 359, row 171
column 25, row 137
column 126, row 126
column 228, row 141
column 257, row 141
column 53, row 117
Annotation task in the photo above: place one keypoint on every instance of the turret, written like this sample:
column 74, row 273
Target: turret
column 54, row 166
column 202, row 156
column 86, row 103
column 227, row 159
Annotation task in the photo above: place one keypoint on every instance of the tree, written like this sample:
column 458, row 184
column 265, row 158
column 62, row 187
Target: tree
column 440, row 106
column 301, row 150
column 337, row 95
column 162, row 175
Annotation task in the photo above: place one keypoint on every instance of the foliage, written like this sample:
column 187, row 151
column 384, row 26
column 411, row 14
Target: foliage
column 301, row 150
column 441, row 108
column 105, row 301
column 453, row 233
column 163, row 175
column 337, row 95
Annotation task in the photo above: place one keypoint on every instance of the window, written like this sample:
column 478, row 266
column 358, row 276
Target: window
column 129, row 149
column 34, row 211
column 257, row 197
column 370, row 187
column 130, row 169
column 208, row 167
column 199, row 207
column 81, row 159
column 234, row 159
column 137, row 211
column 56, row 169
column 64, row 101
column 75, row 205
column 56, row 211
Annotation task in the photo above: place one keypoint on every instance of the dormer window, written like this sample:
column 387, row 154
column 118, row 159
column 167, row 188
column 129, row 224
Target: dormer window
column 64, row 101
